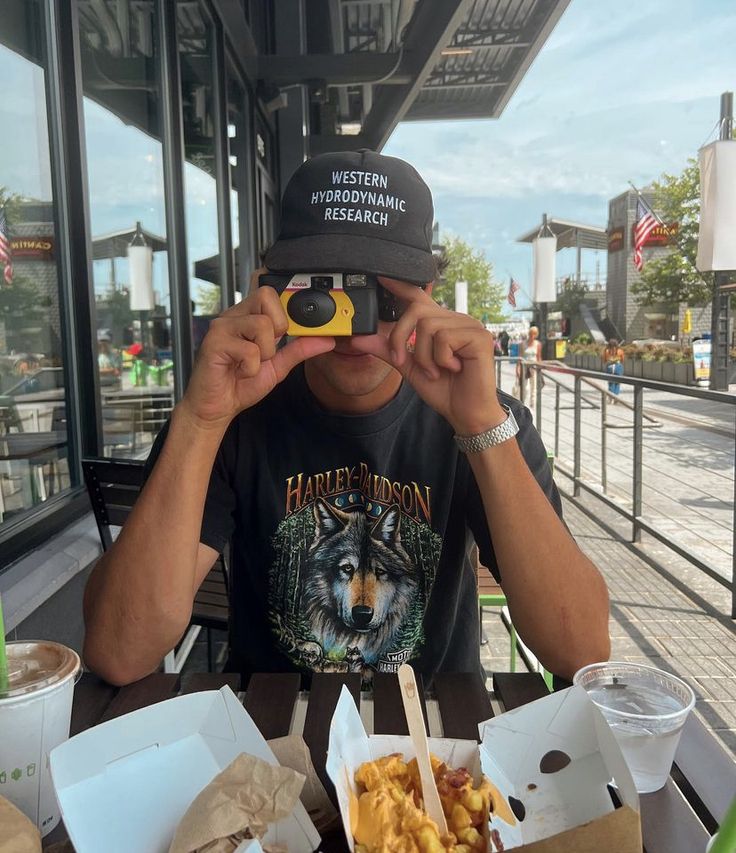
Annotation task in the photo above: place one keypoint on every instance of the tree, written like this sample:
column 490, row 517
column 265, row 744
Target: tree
column 22, row 300
column 116, row 303
column 208, row 299
column 674, row 278
column 570, row 297
column 463, row 263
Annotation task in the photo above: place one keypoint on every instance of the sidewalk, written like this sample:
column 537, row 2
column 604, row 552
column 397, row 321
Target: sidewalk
column 673, row 622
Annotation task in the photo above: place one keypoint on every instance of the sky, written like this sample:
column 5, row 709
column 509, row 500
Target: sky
column 619, row 92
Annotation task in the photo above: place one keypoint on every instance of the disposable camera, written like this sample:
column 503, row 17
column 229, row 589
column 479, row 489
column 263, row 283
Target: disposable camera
column 335, row 303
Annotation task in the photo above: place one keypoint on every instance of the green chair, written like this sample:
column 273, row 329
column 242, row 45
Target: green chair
column 490, row 594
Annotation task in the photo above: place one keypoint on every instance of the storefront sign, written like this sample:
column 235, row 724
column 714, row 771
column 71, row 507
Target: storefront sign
column 32, row 248
column 616, row 239
column 701, row 361
column 660, row 235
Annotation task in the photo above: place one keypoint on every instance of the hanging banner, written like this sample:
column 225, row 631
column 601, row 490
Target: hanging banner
column 140, row 266
column 716, row 246
column 461, row 297
column 545, row 255
column 701, row 360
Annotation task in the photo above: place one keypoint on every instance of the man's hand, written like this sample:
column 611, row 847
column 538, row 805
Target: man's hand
column 238, row 363
column 451, row 367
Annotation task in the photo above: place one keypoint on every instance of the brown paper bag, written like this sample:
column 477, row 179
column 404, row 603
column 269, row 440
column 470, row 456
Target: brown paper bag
column 239, row 803
column 292, row 751
column 18, row 833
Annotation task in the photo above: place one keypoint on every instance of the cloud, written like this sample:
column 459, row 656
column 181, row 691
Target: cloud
column 610, row 98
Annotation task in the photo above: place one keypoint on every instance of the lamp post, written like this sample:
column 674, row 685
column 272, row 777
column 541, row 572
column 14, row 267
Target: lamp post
column 545, row 290
column 140, row 266
column 716, row 249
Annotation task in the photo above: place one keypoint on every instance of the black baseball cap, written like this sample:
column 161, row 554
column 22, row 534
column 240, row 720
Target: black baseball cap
column 356, row 211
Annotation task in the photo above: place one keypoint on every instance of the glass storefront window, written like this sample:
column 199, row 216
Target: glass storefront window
column 120, row 74
column 240, row 185
column 195, row 38
column 33, row 426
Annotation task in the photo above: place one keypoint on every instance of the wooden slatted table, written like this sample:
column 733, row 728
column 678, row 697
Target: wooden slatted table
column 677, row 819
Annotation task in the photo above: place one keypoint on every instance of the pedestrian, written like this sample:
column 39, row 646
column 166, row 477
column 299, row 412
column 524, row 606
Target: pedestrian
column 109, row 362
column 347, row 475
column 531, row 352
column 613, row 363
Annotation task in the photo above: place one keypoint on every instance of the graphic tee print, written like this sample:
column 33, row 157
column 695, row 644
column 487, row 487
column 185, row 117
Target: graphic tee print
column 355, row 562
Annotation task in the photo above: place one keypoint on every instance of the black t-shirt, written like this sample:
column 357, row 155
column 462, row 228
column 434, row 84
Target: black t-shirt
column 350, row 534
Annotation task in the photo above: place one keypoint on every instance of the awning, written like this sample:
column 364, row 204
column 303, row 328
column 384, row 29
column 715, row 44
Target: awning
column 208, row 269
column 115, row 245
column 571, row 235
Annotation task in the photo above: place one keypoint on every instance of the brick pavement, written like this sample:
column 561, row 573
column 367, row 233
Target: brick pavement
column 677, row 620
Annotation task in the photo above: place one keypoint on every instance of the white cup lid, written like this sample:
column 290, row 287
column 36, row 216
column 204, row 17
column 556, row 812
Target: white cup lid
column 37, row 665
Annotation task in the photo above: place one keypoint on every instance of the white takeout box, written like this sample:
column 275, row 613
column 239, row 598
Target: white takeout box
column 569, row 811
column 123, row 786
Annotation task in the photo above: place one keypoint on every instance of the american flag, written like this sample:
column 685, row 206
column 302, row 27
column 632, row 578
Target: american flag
column 5, row 256
column 646, row 222
column 513, row 287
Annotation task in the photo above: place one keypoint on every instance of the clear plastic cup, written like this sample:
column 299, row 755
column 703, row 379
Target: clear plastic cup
column 646, row 709
column 35, row 713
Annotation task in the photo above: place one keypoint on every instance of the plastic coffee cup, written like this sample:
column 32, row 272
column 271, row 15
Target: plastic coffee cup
column 646, row 709
column 35, row 714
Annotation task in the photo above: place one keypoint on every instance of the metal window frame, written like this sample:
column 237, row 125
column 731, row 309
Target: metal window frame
column 67, row 154
column 234, row 70
column 222, row 164
column 172, row 138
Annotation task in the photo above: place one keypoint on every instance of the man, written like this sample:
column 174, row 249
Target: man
column 330, row 465
column 108, row 360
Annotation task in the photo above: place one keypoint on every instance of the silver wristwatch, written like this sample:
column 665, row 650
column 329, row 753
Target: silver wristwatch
column 491, row 437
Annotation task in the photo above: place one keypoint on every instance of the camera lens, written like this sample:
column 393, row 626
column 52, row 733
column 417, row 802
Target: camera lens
column 311, row 308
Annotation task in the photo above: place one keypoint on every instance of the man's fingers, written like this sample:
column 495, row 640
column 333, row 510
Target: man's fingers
column 263, row 300
column 405, row 291
column 251, row 327
column 375, row 345
column 243, row 355
column 443, row 351
column 298, row 350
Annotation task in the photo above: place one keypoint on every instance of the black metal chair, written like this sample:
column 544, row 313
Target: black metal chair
column 113, row 486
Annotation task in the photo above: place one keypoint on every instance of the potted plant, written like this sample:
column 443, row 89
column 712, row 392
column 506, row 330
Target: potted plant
column 683, row 364
column 631, row 354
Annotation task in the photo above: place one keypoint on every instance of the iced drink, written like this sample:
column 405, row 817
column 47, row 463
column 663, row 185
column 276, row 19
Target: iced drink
column 35, row 712
column 646, row 709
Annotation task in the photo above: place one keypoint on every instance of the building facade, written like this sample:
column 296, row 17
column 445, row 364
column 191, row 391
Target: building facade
column 661, row 321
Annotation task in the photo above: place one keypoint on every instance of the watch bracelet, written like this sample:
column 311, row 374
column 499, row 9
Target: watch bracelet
column 491, row 437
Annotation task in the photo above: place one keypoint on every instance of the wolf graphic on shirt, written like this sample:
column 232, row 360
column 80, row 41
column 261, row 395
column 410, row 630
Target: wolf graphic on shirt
column 352, row 575
column 358, row 588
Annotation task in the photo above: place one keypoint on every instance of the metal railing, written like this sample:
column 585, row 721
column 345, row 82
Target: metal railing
column 591, row 405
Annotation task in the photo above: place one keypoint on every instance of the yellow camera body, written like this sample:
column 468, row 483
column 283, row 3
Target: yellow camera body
column 333, row 304
column 340, row 325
